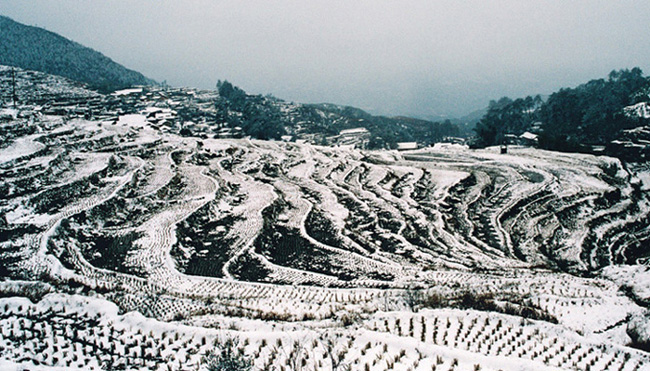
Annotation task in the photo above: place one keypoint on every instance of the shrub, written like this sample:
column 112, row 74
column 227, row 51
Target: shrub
column 435, row 300
column 470, row 300
column 227, row 358
column 413, row 297
column 349, row 319
column 638, row 330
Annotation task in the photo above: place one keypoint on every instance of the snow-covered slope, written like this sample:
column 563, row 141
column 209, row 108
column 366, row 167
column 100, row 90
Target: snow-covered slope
column 441, row 258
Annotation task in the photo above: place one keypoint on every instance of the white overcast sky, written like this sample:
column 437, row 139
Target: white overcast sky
column 422, row 57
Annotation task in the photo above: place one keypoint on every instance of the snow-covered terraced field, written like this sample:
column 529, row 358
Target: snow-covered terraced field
column 315, row 257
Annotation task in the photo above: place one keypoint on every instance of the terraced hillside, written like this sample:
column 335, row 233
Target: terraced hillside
column 314, row 257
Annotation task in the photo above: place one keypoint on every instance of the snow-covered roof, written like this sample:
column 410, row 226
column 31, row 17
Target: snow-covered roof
column 151, row 109
column 353, row 131
column 529, row 136
column 127, row 92
column 407, row 145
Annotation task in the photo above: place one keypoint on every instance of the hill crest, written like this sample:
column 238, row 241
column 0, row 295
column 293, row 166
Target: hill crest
column 34, row 48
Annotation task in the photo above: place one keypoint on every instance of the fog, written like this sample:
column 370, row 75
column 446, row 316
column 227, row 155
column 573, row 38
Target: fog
column 420, row 58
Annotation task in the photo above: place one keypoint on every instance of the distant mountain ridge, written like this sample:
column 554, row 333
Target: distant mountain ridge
column 271, row 118
column 33, row 48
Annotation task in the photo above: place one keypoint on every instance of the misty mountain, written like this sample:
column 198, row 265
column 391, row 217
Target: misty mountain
column 34, row 48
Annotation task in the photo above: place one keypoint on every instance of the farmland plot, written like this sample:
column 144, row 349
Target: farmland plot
column 315, row 257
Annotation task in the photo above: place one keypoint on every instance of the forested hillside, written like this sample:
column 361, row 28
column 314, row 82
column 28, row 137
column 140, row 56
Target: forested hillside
column 269, row 118
column 571, row 119
column 34, row 48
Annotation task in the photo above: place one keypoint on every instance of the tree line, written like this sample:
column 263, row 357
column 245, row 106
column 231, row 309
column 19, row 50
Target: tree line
column 571, row 119
column 260, row 117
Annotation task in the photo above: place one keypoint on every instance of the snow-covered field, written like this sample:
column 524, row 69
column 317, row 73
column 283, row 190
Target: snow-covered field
column 125, row 247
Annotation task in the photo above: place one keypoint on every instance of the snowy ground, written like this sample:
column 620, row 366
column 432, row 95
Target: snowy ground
column 151, row 248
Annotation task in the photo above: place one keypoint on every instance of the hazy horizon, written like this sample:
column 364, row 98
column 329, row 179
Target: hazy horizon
column 417, row 58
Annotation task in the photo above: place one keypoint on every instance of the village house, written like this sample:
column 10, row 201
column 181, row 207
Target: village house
column 407, row 146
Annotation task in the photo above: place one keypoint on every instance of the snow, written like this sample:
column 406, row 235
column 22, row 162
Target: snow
column 21, row 147
column 7, row 365
column 469, row 359
column 133, row 120
column 645, row 180
column 529, row 136
column 388, row 337
column 354, row 131
column 9, row 112
column 641, row 110
column 637, row 277
column 446, row 218
column 407, row 145
column 127, row 92
column 450, row 146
